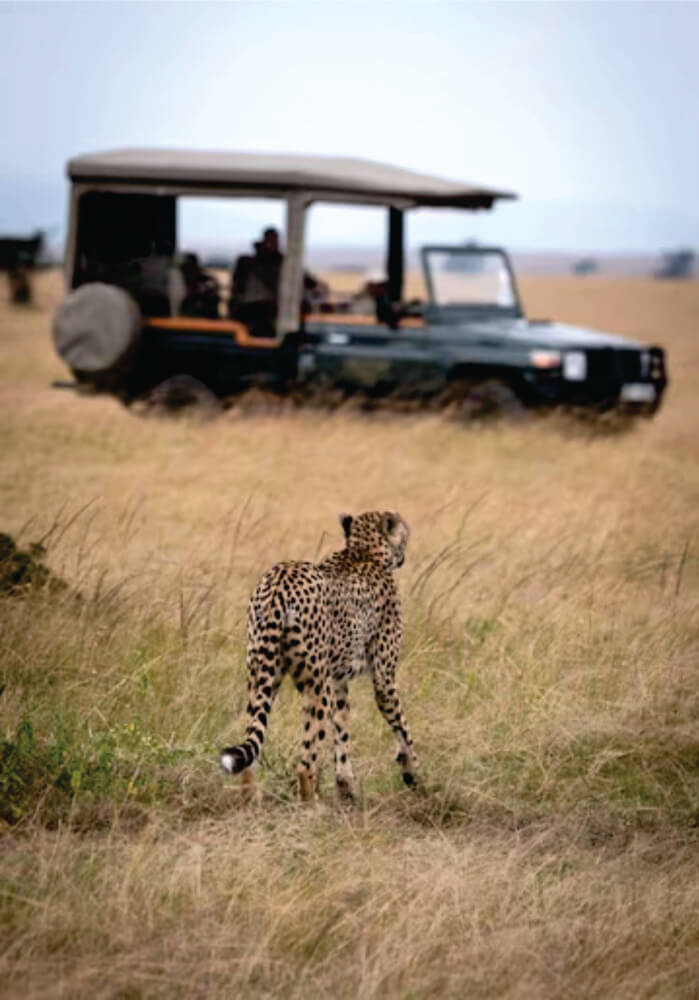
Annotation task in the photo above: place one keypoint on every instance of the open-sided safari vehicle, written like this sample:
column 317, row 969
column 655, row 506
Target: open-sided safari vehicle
column 136, row 315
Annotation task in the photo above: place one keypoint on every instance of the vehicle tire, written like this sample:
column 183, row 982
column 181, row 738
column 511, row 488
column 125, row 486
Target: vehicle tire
column 179, row 394
column 489, row 399
column 96, row 332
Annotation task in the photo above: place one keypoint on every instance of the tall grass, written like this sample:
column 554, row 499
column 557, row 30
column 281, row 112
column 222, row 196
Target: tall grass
column 549, row 674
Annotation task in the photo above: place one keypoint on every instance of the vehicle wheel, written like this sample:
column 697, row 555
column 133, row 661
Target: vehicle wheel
column 319, row 392
column 605, row 422
column 96, row 331
column 491, row 398
column 179, row 394
column 261, row 401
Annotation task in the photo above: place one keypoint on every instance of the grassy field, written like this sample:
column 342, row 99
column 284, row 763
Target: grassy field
column 550, row 674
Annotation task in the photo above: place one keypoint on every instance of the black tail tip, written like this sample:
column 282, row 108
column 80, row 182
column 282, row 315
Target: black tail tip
column 232, row 760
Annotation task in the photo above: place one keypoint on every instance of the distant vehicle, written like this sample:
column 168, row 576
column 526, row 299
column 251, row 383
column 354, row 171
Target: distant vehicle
column 585, row 265
column 677, row 264
column 18, row 256
column 469, row 346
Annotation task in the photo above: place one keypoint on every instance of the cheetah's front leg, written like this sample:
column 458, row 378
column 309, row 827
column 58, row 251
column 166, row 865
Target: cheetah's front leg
column 388, row 703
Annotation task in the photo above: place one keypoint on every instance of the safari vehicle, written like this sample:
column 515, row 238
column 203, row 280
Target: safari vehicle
column 122, row 329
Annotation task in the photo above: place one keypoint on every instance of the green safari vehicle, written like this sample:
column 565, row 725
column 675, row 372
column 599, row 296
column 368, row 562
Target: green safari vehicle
column 125, row 326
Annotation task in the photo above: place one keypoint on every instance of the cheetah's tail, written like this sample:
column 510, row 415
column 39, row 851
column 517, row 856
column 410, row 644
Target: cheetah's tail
column 262, row 692
column 265, row 624
column 236, row 759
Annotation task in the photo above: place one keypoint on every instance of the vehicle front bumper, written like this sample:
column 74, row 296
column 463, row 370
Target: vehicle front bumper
column 630, row 378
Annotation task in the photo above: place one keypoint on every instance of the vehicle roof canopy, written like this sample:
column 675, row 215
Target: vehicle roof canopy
column 275, row 174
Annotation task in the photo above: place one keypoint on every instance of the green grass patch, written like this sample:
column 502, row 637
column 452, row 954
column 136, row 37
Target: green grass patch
column 57, row 776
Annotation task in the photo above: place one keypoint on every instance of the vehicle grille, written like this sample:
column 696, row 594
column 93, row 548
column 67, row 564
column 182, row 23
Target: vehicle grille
column 629, row 365
column 611, row 367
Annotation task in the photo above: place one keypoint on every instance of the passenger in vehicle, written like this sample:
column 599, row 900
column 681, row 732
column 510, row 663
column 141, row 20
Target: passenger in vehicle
column 255, row 286
column 201, row 289
column 373, row 300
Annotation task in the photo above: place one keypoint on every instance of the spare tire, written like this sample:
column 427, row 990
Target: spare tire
column 96, row 331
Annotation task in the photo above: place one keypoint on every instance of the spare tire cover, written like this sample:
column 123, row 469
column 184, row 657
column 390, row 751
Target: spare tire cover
column 96, row 327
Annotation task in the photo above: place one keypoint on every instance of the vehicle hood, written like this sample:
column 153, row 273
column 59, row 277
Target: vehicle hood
column 563, row 335
column 557, row 336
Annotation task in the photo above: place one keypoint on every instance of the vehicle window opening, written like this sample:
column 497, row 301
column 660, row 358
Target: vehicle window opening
column 366, row 287
column 229, row 256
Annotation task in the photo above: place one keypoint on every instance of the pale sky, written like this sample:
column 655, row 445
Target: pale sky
column 590, row 111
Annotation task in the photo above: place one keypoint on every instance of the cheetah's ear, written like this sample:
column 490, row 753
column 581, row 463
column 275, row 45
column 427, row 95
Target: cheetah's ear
column 346, row 522
column 388, row 524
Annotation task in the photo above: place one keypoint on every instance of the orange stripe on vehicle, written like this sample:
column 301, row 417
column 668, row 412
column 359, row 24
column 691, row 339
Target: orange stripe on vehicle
column 196, row 324
column 242, row 336
column 350, row 319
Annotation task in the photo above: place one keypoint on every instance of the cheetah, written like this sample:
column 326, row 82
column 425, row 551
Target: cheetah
column 323, row 624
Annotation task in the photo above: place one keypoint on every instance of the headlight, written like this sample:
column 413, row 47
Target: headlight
column 545, row 359
column 575, row 366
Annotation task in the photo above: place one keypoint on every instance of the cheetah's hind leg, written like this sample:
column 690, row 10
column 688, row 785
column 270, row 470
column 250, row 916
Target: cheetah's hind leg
column 316, row 712
column 250, row 793
column 344, row 776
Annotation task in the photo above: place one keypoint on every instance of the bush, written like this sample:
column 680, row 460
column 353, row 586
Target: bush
column 21, row 570
column 67, row 774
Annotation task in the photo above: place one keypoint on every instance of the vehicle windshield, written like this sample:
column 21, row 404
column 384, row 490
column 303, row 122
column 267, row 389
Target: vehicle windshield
column 469, row 277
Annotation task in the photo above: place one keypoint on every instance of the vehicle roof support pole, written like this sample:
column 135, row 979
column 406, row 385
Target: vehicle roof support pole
column 394, row 256
column 291, row 280
column 71, row 239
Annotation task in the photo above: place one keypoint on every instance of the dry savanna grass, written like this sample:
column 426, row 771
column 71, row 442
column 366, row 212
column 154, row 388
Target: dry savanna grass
column 549, row 675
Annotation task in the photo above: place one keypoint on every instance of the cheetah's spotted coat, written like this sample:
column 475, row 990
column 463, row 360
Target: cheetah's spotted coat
column 323, row 624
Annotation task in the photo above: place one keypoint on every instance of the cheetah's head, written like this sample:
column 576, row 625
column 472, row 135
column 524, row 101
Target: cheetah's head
column 383, row 534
